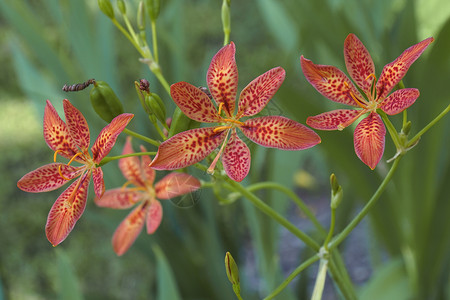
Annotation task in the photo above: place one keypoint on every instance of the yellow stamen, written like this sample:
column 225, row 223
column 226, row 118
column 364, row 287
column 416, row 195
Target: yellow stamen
column 234, row 121
column 372, row 75
column 210, row 170
column 221, row 104
column 220, row 128
column 353, row 96
column 73, row 158
column 372, row 88
column 60, row 173
column 56, row 154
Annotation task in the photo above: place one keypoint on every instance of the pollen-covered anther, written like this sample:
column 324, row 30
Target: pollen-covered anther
column 221, row 128
column 234, row 121
column 373, row 76
column 220, row 107
column 353, row 96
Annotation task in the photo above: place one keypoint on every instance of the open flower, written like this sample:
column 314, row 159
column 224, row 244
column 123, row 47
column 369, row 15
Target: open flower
column 71, row 140
column 331, row 82
column 149, row 210
column 190, row 147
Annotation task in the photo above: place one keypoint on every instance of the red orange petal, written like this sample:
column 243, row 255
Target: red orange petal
column 222, row 78
column 77, row 125
column 66, row 210
column 99, row 183
column 255, row 96
column 369, row 139
column 236, row 158
column 119, row 198
column 359, row 63
column 47, row 178
column 280, row 132
column 176, row 184
column 129, row 229
column 399, row 100
column 131, row 166
column 154, row 216
column 57, row 134
column 330, row 82
column 147, row 172
column 187, row 148
column 394, row 72
column 334, row 120
column 108, row 136
column 193, row 102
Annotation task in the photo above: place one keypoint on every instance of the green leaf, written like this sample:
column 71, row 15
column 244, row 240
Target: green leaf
column 167, row 286
column 67, row 284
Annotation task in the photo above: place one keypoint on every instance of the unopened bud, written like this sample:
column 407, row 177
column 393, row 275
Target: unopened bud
column 226, row 16
column 156, row 106
column 122, row 7
column 105, row 102
column 141, row 16
column 336, row 192
column 153, row 7
column 106, row 8
column 232, row 269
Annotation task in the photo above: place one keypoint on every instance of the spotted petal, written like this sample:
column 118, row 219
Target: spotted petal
column 129, row 229
column 280, row 132
column 154, row 216
column 394, row 72
column 187, row 148
column 119, row 198
column 193, row 102
column 147, row 172
column 99, row 183
column 359, row 63
column 399, row 100
column 131, row 166
column 176, row 184
column 57, row 134
column 330, row 82
column 222, row 78
column 77, row 125
column 108, row 136
column 47, row 178
column 236, row 158
column 334, row 120
column 369, row 139
column 66, row 210
column 255, row 96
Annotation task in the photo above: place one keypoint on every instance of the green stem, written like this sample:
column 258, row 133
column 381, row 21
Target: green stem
column 108, row 159
column 291, row 276
column 273, row 214
column 344, row 233
column 392, row 131
column 343, row 281
column 426, row 128
column 332, row 225
column 142, row 137
column 154, row 42
column 288, row 192
column 129, row 37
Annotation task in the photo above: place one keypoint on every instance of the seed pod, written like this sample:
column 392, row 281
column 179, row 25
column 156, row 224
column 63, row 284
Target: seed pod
column 153, row 9
column 105, row 102
column 106, row 8
column 156, row 106
column 122, row 7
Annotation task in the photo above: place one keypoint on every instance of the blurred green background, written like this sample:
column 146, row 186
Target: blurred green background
column 402, row 251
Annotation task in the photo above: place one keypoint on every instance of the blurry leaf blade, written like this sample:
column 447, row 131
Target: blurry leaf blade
column 68, row 283
column 167, row 286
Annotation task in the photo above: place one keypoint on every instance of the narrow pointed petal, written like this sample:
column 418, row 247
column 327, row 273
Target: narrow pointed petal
column 47, row 178
column 222, row 78
column 236, row 158
column 108, row 136
column 57, row 134
column 369, row 139
column 131, row 166
column 147, row 172
column 176, row 184
column 394, row 72
column 399, row 100
column 99, row 183
column 129, row 229
column 330, row 82
column 154, row 216
column 334, row 120
column 187, row 148
column 359, row 63
column 119, row 198
column 193, row 102
column 280, row 132
column 66, row 210
column 77, row 125
column 255, row 96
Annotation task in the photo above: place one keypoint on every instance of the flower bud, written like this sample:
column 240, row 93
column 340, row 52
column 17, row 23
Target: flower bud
column 232, row 269
column 122, row 7
column 156, row 106
column 106, row 8
column 141, row 16
column 153, row 9
column 336, row 192
column 105, row 102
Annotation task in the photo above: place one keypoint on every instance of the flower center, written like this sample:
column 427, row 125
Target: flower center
column 359, row 102
column 68, row 164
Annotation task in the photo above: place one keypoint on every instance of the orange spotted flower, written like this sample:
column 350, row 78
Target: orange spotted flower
column 369, row 135
column 149, row 211
column 192, row 146
column 71, row 140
